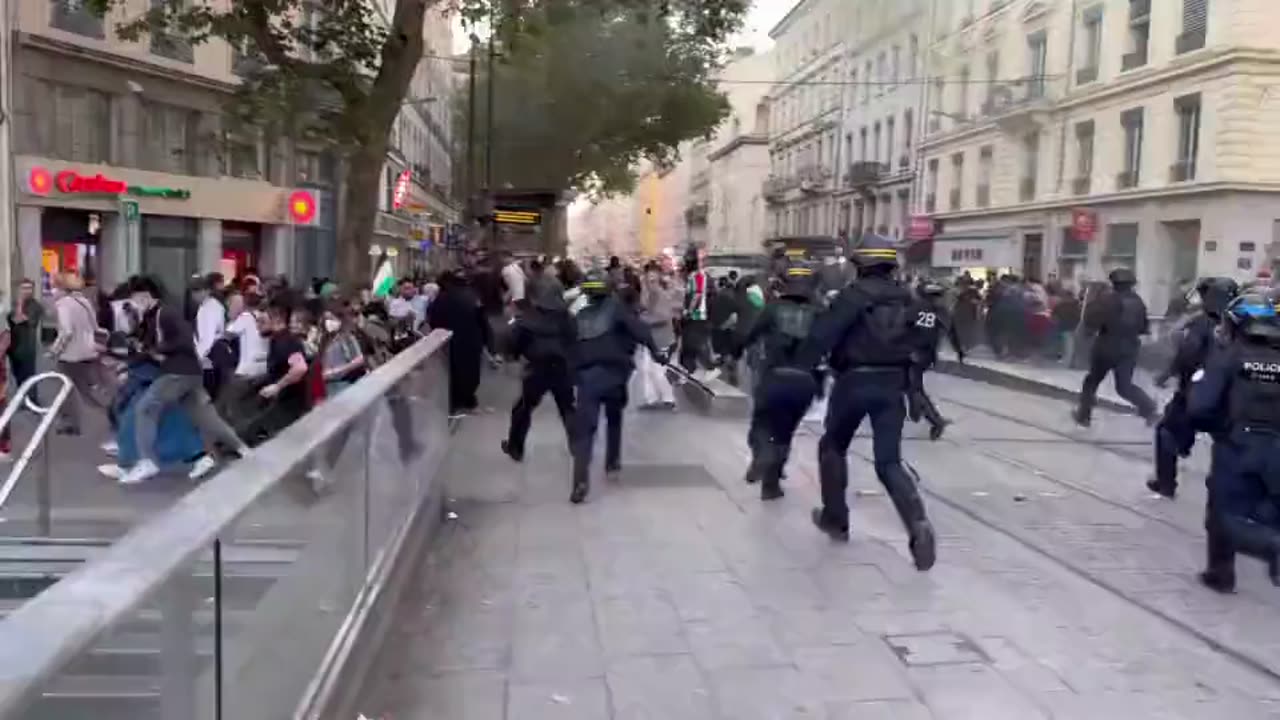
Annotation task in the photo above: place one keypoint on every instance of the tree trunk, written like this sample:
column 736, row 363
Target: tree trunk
column 359, row 214
column 376, row 116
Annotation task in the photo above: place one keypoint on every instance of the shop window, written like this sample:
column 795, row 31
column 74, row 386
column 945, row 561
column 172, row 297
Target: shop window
column 65, row 122
column 169, row 134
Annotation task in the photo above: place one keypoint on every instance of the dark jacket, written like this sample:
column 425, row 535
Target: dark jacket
column 869, row 324
column 608, row 332
column 167, row 334
column 1120, row 319
column 543, row 335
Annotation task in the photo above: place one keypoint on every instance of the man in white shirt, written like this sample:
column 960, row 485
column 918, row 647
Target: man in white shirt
column 513, row 278
column 211, row 320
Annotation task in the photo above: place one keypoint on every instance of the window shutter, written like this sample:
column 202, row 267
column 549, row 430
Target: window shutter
column 1195, row 16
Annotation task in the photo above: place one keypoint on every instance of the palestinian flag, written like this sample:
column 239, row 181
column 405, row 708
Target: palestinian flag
column 384, row 281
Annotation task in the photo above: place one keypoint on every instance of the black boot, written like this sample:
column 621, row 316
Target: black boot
column 579, row 494
column 1165, row 489
column 1082, row 419
column 581, row 481
column 906, row 499
column 834, row 530
column 771, row 462
column 1219, row 574
column 511, row 452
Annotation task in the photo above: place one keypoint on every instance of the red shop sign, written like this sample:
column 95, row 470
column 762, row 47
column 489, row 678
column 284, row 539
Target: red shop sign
column 921, row 227
column 69, row 181
column 1084, row 224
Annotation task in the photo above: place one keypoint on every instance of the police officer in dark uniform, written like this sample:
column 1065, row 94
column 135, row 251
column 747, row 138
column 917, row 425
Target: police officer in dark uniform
column 1120, row 320
column 869, row 334
column 1174, row 435
column 933, row 322
column 786, row 387
column 607, row 334
column 542, row 334
column 1236, row 398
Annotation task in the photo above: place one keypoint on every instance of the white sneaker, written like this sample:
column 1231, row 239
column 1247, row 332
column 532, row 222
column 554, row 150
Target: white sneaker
column 111, row 448
column 709, row 375
column 111, row 470
column 143, row 471
column 205, row 465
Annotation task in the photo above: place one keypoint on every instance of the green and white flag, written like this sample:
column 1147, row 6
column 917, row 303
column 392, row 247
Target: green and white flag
column 385, row 280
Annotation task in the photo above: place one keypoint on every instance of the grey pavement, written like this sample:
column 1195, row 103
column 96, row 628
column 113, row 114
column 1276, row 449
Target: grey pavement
column 1052, row 376
column 1063, row 590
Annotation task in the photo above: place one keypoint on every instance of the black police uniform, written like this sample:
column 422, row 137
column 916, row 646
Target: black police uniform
column 1237, row 400
column 542, row 334
column 1120, row 320
column 932, row 323
column 787, row 386
column 869, row 334
column 1174, row 434
column 607, row 334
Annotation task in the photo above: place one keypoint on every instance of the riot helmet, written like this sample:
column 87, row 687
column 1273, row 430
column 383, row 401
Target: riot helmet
column 1254, row 315
column 875, row 251
column 799, row 281
column 1122, row 278
column 931, row 289
column 595, row 284
column 1216, row 294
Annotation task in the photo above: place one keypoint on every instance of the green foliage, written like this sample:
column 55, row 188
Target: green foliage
column 584, row 89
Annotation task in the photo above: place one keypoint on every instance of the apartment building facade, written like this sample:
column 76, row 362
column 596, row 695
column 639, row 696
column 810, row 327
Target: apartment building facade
column 726, row 212
column 123, row 164
column 805, row 109
column 1094, row 135
column 881, row 117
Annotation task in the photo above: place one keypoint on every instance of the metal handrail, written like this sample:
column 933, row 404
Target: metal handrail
column 47, row 632
column 48, row 413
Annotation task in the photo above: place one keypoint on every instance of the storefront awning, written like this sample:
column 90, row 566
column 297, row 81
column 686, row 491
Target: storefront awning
column 968, row 251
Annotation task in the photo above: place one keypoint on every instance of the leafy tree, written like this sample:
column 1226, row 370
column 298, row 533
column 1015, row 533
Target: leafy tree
column 583, row 89
column 336, row 71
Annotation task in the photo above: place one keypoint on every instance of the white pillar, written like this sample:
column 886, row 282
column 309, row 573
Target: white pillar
column 28, row 237
column 209, row 245
column 277, row 250
column 8, row 243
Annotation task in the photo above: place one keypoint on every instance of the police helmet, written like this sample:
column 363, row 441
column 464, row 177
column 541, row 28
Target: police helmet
column 1122, row 277
column 875, row 250
column 1254, row 314
column 799, row 281
column 1216, row 294
column 595, row 284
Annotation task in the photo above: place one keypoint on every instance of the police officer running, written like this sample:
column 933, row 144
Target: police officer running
column 933, row 321
column 1236, row 398
column 1174, row 434
column 1120, row 320
column 786, row 386
column 542, row 333
column 607, row 334
column 869, row 332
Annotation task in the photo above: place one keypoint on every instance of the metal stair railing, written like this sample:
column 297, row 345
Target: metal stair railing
column 47, row 413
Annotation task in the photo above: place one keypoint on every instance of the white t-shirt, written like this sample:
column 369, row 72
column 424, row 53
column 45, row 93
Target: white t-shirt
column 513, row 277
column 211, row 323
column 253, row 348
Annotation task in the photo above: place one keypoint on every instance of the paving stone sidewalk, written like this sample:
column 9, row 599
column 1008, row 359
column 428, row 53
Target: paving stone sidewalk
column 676, row 594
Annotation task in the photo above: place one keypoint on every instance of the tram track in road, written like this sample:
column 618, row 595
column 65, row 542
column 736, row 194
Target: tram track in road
column 1028, row 540
column 1065, row 438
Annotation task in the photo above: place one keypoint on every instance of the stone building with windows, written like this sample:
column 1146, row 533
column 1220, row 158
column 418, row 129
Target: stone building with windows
column 123, row 166
column 1101, row 134
column 123, row 163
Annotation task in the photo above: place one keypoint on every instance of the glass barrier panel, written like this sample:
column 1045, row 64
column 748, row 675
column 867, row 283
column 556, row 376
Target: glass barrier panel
column 151, row 665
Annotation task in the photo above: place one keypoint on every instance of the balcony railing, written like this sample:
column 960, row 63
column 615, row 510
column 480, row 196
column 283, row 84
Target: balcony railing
column 1086, row 75
column 1132, row 60
column 1080, row 185
column 1027, row 189
column 1189, row 41
column 1127, row 179
column 1139, row 10
column 1184, row 171
column 954, row 199
column 865, row 173
column 984, row 196
column 73, row 16
column 776, row 186
column 904, row 162
column 931, row 203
